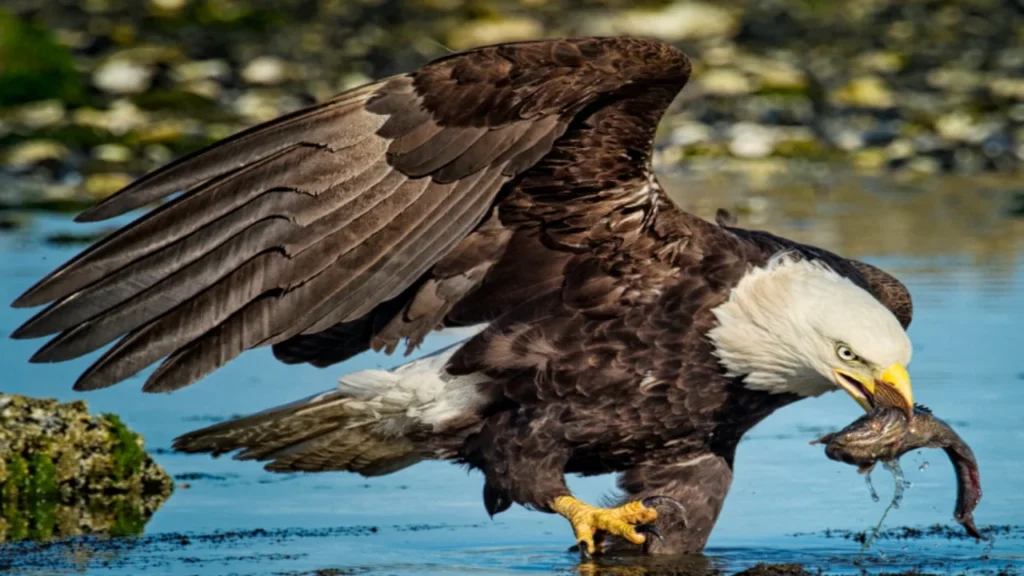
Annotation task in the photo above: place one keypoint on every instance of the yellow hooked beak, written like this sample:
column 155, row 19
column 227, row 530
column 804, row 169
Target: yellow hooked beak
column 890, row 389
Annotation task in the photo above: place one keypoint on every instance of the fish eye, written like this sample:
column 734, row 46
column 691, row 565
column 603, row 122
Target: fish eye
column 845, row 354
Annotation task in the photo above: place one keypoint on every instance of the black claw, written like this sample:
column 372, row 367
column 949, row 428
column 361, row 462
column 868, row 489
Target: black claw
column 585, row 555
column 649, row 529
column 654, row 501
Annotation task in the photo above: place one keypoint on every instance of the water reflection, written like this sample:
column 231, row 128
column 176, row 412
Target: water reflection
column 926, row 225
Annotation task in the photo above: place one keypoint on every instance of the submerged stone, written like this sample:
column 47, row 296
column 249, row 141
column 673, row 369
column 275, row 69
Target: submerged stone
column 64, row 472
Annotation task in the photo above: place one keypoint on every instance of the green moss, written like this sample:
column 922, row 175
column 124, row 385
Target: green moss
column 126, row 455
column 48, row 73
column 44, row 518
column 42, row 482
column 16, row 484
column 128, row 519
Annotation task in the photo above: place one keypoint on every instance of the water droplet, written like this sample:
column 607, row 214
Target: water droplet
column 900, row 483
column 871, row 487
column 923, row 466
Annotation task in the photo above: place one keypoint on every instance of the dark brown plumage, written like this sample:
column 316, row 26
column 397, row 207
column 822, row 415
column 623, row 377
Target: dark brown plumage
column 510, row 184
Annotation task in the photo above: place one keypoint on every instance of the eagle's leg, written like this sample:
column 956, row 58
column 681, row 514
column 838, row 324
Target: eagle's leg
column 523, row 457
column 633, row 521
column 700, row 481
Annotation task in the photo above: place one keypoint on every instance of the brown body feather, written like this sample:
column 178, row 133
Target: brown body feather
column 509, row 185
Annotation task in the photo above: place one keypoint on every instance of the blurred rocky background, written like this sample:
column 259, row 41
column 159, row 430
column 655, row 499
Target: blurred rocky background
column 95, row 92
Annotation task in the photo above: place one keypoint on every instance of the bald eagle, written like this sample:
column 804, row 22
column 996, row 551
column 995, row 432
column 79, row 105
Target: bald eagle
column 508, row 187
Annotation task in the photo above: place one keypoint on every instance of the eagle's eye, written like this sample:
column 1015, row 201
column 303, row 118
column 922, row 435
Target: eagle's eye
column 845, row 354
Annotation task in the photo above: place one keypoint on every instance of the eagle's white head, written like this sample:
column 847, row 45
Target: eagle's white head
column 797, row 326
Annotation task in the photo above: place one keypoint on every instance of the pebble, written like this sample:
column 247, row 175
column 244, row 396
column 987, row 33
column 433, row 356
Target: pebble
column 492, row 31
column 103, row 184
column 265, row 70
column 924, row 165
column 260, row 106
column 725, row 82
column 954, row 79
column 122, row 116
column 689, row 133
column 864, row 92
column 751, row 141
column 776, row 75
column 1010, row 88
column 117, row 153
column 956, row 126
column 28, row 154
column 122, row 76
column 167, row 6
column 882, row 62
column 900, row 149
column 677, row 22
column 40, row 114
column 213, row 69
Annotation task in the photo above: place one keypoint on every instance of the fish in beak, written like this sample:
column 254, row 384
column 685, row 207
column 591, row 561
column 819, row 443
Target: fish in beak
column 886, row 389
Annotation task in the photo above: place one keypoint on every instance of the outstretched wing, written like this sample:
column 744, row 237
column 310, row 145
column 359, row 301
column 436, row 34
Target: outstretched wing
column 341, row 214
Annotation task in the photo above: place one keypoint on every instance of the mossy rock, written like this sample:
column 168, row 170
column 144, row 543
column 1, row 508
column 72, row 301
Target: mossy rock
column 64, row 472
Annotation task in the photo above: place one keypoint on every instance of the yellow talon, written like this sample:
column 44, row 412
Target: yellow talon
column 590, row 522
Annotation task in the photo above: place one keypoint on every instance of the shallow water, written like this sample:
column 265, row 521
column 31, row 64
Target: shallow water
column 950, row 241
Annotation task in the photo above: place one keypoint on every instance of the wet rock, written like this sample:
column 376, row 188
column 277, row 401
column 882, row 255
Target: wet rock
column 10, row 222
column 74, row 239
column 775, row 570
column 64, row 472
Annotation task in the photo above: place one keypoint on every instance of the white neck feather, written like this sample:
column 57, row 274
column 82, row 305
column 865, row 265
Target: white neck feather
column 778, row 329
